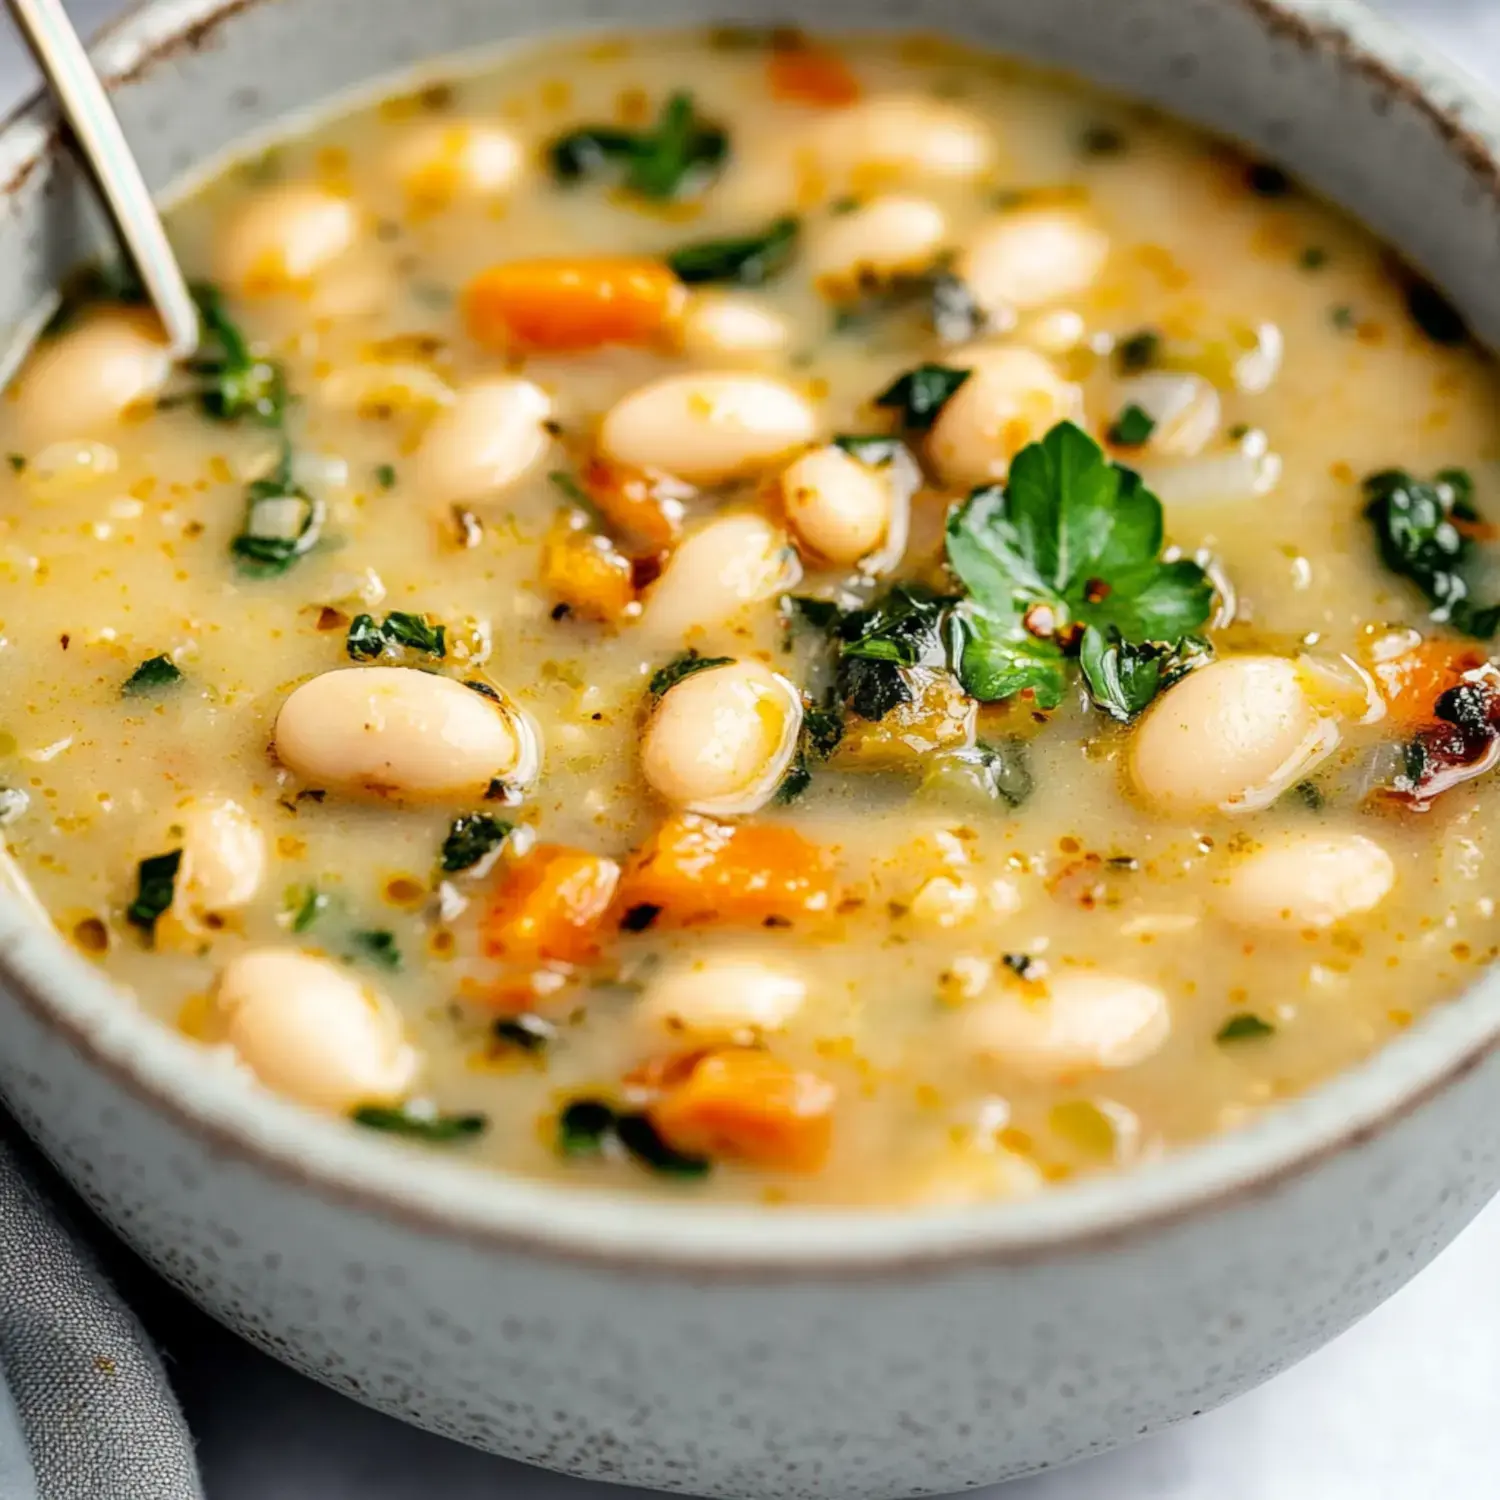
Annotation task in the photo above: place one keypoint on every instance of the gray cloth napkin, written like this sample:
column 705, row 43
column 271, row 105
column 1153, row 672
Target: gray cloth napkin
column 89, row 1414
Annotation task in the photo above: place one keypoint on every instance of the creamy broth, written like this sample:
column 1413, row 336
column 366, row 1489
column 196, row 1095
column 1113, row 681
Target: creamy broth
column 973, row 949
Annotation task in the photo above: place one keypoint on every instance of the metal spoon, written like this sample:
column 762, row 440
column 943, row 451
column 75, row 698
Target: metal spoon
column 81, row 97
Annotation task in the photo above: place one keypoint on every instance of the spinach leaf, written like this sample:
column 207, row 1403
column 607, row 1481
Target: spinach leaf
column 155, row 884
column 1124, row 676
column 675, row 159
column 378, row 945
column 368, row 641
column 436, row 1129
column 667, row 677
column 155, row 672
column 584, row 1127
column 1244, row 1027
column 235, row 383
column 749, row 260
column 470, row 838
column 587, row 1126
column 920, row 394
column 282, row 523
column 908, row 627
column 365, row 640
column 1415, row 530
column 1070, row 540
column 306, row 903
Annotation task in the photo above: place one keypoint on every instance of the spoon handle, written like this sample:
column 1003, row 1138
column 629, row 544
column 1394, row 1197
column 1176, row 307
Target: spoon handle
column 81, row 97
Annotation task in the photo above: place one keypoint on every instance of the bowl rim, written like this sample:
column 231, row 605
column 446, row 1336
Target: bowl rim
column 210, row 1097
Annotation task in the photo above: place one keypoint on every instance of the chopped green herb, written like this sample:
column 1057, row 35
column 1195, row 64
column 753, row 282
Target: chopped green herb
column 1314, row 258
column 920, row 394
column 587, row 1126
column 471, row 838
column 156, row 882
column 1102, row 140
column 236, row 384
column 1123, row 677
column 908, row 627
column 367, row 641
column 803, row 612
column 282, row 523
column 436, row 1129
column 528, row 1031
column 584, row 1127
column 682, row 666
column 1132, row 428
column 153, row 673
column 875, row 451
column 748, row 260
column 306, row 903
column 561, row 480
column 1267, row 181
column 385, row 476
column 1020, row 964
column 1070, row 540
column 1141, row 351
column 675, row 159
column 1343, row 318
column 796, row 781
column 378, row 945
column 1310, row 795
column 1244, row 1027
column 1415, row 532
column 1435, row 315
column 17, row 462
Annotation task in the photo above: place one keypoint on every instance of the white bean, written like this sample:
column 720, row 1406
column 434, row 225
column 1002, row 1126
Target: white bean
column 312, row 1032
column 401, row 732
column 840, row 508
column 721, row 740
column 1233, row 735
column 82, row 381
column 1307, row 880
column 900, row 135
column 1030, row 258
column 441, row 160
column 223, row 860
column 707, row 427
column 890, row 236
column 720, row 997
column 493, row 434
column 284, row 237
column 720, row 325
column 1013, row 397
column 1186, row 409
column 1086, row 1021
column 732, row 562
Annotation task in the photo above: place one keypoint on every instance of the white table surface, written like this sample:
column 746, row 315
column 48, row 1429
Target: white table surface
column 1403, row 1407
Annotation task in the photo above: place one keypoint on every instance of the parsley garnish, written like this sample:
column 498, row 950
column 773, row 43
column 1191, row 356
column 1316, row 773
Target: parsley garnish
column 470, row 838
column 378, row 945
column 155, row 672
column 1244, row 1027
column 1132, row 428
column 1415, row 530
column 667, row 677
column 156, row 882
column 920, row 394
column 1070, row 540
column 587, row 1126
column 366, row 640
column 675, row 159
column 436, row 1129
column 748, row 260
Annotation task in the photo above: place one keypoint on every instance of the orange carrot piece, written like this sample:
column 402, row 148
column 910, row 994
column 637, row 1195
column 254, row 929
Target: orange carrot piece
column 805, row 74
column 569, row 304
column 1413, row 682
column 584, row 571
column 697, row 870
column 550, row 906
column 644, row 508
column 751, row 1107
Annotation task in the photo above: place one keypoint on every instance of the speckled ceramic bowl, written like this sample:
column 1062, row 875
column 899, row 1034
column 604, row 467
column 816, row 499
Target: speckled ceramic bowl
column 724, row 1351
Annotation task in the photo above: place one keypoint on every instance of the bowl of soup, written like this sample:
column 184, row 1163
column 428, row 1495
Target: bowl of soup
column 775, row 777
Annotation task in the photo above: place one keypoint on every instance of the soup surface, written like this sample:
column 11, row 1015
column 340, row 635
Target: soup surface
column 762, row 618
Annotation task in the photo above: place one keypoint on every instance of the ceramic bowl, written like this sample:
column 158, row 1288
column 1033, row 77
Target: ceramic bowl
column 732, row 1352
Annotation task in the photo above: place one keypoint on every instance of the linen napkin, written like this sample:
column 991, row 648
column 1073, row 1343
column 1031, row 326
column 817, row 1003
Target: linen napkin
column 89, row 1414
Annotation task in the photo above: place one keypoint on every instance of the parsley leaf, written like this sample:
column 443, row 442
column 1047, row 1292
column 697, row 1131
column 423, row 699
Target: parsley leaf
column 155, row 672
column 1070, row 540
column 667, row 677
column 437, row 1129
column 470, row 838
column 1418, row 539
column 1244, row 1027
column 920, row 394
column 748, row 260
column 1132, row 428
column 675, row 159
column 156, row 882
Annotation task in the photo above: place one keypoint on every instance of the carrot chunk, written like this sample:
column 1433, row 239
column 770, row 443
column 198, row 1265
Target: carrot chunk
column 1413, row 681
column 584, row 571
column 551, row 906
column 645, row 509
column 750, row 1107
column 806, row 74
column 569, row 304
column 697, row 870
